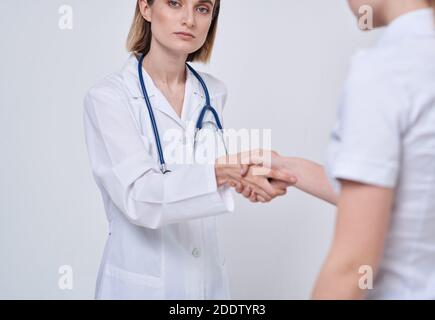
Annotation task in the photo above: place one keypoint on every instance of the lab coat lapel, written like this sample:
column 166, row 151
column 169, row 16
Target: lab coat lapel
column 197, row 99
column 158, row 101
column 197, row 102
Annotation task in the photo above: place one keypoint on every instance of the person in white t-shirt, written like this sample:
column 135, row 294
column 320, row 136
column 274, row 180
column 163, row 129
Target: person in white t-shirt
column 381, row 164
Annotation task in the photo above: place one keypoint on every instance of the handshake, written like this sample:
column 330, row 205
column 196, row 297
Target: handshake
column 258, row 175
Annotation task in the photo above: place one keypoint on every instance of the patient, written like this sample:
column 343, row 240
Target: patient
column 381, row 165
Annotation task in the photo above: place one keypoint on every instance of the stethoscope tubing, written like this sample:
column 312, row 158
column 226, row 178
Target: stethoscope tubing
column 199, row 123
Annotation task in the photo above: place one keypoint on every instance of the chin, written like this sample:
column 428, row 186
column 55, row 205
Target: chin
column 184, row 48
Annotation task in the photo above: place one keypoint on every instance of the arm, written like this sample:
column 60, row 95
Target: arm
column 362, row 223
column 311, row 178
column 124, row 167
column 246, row 179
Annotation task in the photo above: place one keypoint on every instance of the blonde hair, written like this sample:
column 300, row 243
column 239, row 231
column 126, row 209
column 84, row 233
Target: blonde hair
column 139, row 37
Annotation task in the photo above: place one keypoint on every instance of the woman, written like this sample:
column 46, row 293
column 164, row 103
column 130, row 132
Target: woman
column 382, row 164
column 163, row 241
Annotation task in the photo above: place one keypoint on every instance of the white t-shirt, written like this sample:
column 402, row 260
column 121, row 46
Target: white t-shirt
column 385, row 136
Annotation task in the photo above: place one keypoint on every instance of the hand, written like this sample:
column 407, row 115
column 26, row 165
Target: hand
column 267, row 185
column 257, row 183
column 229, row 170
column 269, row 164
column 264, row 159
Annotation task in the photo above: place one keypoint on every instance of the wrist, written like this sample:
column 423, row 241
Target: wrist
column 293, row 166
column 226, row 171
column 221, row 176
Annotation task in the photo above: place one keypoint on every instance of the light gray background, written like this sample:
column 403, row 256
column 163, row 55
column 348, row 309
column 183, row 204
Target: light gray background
column 283, row 62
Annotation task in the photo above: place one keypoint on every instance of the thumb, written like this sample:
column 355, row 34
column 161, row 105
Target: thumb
column 244, row 170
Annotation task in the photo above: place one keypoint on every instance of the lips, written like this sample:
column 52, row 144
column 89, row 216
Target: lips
column 185, row 34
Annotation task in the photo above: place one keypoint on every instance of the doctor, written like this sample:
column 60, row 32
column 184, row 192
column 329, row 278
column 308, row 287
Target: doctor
column 163, row 240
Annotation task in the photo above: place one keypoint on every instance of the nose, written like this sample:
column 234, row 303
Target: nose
column 188, row 17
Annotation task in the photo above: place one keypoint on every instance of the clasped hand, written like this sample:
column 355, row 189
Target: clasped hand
column 251, row 174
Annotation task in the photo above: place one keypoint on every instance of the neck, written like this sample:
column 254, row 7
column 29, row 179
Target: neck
column 165, row 66
column 394, row 8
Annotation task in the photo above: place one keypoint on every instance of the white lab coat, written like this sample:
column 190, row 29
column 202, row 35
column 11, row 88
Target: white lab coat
column 163, row 240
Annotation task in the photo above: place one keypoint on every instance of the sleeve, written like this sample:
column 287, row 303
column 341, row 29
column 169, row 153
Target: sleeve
column 123, row 167
column 369, row 144
column 224, row 191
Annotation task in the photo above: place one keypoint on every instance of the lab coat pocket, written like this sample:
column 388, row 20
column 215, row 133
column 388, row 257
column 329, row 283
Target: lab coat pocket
column 130, row 285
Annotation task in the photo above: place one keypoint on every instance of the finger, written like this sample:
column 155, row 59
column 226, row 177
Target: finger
column 261, row 191
column 239, row 187
column 260, row 170
column 261, row 199
column 278, row 184
column 253, row 197
column 247, row 192
column 252, row 157
column 245, row 169
column 263, row 157
column 282, row 175
column 222, row 182
column 281, row 192
column 268, row 192
column 278, row 192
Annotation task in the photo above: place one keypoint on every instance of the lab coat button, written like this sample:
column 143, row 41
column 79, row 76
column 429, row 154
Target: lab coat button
column 195, row 252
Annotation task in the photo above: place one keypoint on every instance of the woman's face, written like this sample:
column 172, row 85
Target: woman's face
column 179, row 25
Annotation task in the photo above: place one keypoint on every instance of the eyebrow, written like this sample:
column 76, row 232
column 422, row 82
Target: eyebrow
column 206, row 1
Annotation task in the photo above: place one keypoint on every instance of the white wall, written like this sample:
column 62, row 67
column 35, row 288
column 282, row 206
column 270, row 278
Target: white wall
column 283, row 62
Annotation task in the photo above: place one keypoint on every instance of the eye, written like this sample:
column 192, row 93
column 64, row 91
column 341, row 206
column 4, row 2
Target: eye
column 173, row 3
column 203, row 10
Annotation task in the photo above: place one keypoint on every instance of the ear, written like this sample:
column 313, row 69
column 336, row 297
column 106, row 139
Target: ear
column 145, row 9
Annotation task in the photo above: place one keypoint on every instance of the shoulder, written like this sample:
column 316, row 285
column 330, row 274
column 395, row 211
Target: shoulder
column 373, row 94
column 105, row 91
column 374, row 78
column 216, row 87
column 373, row 67
column 111, row 84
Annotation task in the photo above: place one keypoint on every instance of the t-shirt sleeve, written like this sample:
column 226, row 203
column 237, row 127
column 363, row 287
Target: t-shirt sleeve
column 369, row 135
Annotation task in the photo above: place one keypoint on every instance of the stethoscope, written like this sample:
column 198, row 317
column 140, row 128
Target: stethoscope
column 199, row 123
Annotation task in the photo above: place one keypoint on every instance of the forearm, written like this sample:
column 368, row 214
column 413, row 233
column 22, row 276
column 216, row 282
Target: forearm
column 311, row 178
column 361, row 228
column 339, row 282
